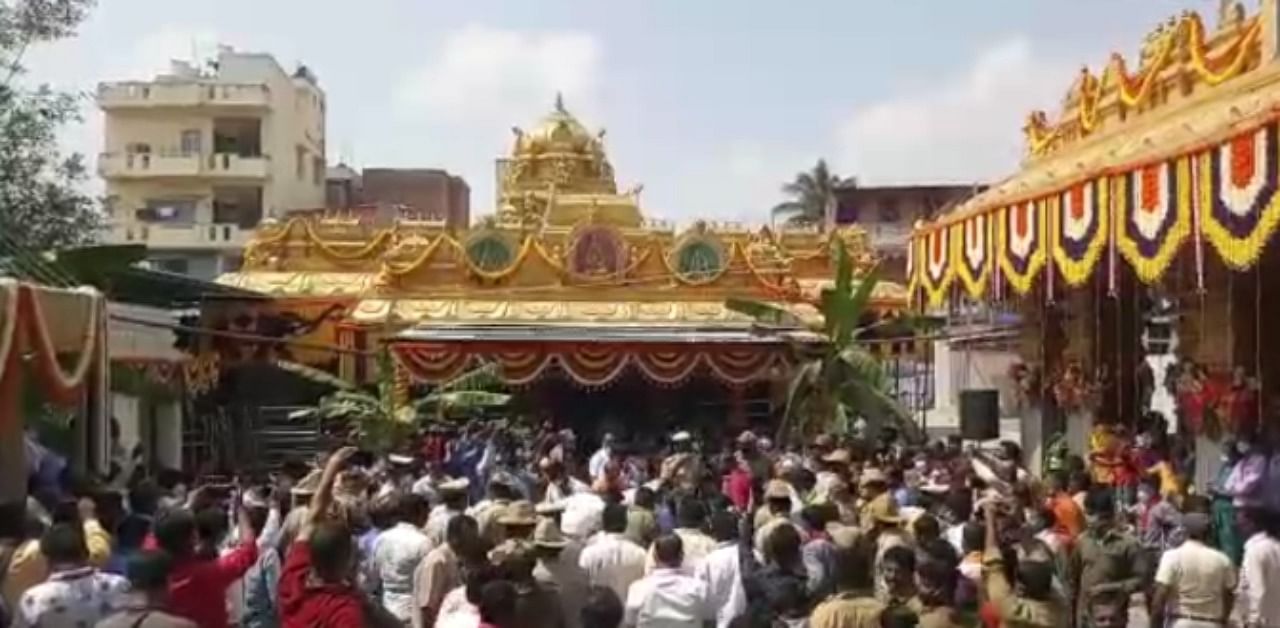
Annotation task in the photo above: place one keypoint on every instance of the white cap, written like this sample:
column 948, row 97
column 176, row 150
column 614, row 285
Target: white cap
column 681, row 436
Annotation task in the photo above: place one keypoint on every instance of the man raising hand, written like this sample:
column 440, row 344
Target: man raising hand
column 316, row 586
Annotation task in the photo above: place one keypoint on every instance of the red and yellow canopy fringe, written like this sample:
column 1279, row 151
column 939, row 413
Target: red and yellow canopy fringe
column 590, row 366
column 1224, row 192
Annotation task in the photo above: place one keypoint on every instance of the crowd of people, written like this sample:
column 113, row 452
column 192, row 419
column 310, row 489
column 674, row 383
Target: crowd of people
column 482, row 530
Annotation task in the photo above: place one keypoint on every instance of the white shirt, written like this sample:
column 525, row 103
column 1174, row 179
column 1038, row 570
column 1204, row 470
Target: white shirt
column 614, row 561
column 598, row 461
column 583, row 515
column 457, row 612
column 1197, row 576
column 696, row 544
column 722, row 574
column 955, row 536
column 396, row 554
column 80, row 597
column 668, row 599
column 1260, row 581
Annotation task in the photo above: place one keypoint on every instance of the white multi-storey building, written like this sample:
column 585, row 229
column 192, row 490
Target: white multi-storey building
column 194, row 159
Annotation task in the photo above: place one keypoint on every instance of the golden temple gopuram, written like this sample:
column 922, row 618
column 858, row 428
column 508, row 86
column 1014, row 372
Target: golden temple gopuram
column 566, row 278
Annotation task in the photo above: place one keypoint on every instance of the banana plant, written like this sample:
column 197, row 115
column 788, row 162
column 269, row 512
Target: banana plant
column 839, row 380
column 378, row 420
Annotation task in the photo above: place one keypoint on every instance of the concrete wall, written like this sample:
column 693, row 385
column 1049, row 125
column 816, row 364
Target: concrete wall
column 958, row 367
column 160, row 128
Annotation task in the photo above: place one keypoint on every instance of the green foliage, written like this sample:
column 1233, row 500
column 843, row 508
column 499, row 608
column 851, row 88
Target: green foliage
column 812, row 193
column 41, row 204
column 377, row 420
column 841, row 380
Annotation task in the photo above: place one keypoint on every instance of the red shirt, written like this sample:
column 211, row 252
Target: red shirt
column 310, row 605
column 737, row 486
column 198, row 587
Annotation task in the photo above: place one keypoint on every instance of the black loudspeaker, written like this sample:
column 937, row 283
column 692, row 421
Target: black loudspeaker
column 979, row 414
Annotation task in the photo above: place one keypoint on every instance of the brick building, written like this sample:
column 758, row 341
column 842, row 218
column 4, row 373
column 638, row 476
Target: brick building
column 416, row 191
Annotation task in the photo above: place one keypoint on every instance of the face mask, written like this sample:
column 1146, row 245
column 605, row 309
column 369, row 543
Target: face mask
column 1144, row 495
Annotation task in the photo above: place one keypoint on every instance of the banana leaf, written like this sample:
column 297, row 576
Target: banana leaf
column 767, row 313
column 314, row 374
column 466, row 399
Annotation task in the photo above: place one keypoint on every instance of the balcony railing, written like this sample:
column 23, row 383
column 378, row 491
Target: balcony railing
column 183, row 94
column 145, row 165
column 158, row 235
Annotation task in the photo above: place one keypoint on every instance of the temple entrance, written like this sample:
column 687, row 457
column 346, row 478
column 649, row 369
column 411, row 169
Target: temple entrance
column 643, row 413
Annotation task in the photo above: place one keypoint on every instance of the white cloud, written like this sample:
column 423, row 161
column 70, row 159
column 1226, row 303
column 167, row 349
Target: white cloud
column 740, row 182
column 486, row 75
column 965, row 129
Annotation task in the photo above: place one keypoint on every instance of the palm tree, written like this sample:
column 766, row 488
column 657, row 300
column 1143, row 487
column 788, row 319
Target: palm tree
column 813, row 197
column 839, row 380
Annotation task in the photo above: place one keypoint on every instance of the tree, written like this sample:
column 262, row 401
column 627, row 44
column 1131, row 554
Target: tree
column 41, row 204
column 813, row 196
column 838, row 380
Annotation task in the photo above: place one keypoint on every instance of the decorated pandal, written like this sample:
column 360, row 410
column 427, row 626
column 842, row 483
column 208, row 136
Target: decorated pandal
column 566, row 279
column 1156, row 182
column 1182, row 152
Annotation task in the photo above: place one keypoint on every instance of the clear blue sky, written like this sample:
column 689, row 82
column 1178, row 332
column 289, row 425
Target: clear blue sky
column 710, row 104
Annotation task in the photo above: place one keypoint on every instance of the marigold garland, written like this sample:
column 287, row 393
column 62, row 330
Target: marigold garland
column 1190, row 28
column 1150, row 268
column 1240, row 49
column 936, row 287
column 1239, row 253
column 24, row 316
column 975, row 284
column 1021, row 281
column 1078, row 271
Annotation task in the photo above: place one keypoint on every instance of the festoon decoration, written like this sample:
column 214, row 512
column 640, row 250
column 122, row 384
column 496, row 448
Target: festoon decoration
column 25, row 332
column 1142, row 214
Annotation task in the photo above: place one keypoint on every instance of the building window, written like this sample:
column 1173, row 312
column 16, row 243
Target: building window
column 317, row 171
column 168, row 211
column 302, row 163
column 190, row 142
column 137, row 148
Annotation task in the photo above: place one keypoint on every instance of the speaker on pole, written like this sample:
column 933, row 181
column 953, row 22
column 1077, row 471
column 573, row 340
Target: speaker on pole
column 979, row 414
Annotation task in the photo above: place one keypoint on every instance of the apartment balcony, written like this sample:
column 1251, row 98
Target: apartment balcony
column 889, row 238
column 230, row 96
column 160, row 236
column 148, row 165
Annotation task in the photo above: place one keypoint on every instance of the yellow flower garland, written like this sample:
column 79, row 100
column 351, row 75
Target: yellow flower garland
column 1022, row 282
column 1190, row 27
column 975, row 285
column 1149, row 269
column 1199, row 60
column 936, row 289
column 1237, row 253
column 1078, row 272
